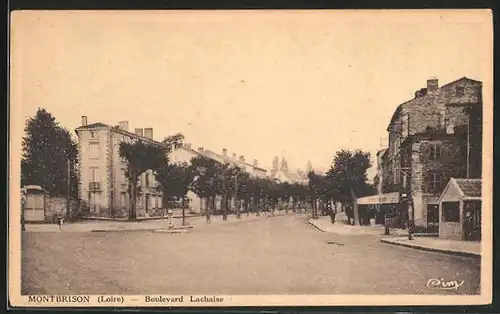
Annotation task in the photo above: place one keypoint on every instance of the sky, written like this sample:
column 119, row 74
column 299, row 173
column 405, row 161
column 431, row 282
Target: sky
column 299, row 84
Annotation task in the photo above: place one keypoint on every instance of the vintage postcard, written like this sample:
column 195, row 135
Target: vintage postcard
column 250, row 158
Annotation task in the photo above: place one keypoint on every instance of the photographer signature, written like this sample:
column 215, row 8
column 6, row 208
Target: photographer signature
column 440, row 283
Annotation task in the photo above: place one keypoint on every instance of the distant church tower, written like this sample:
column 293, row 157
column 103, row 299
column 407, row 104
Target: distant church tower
column 276, row 163
column 309, row 167
column 284, row 164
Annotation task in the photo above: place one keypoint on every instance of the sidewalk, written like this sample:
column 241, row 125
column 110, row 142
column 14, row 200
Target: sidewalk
column 324, row 224
column 141, row 225
column 461, row 248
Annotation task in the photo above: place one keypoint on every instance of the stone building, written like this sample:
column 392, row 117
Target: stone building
column 103, row 184
column 426, row 147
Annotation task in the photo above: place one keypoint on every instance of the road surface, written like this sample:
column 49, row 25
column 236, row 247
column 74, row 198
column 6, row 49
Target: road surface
column 278, row 255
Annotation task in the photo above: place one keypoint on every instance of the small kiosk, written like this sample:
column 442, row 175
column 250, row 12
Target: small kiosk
column 460, row 210
column 35, row 204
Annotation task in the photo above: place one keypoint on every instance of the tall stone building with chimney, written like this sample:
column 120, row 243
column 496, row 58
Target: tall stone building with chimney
column 427, row 146
column 103, row 184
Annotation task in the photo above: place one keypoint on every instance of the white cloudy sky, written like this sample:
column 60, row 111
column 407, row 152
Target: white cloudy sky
column 260, row 84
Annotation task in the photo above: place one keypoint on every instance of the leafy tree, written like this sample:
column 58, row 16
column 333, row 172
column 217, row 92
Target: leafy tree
column 243, row 191
column 175, row 181
column 140, row 157
column 205, row 172
column 349, row 171
column 236, row 176
column 47, row 148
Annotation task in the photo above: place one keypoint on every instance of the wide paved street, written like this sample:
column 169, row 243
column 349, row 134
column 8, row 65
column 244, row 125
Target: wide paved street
column 280, row 255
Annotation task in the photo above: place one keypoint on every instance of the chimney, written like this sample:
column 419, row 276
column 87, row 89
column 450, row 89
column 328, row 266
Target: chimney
column 139, row 131
column 200, row 149
column 224, row 152
column 234, row 156
column 255, row 162
column 84, row 120
column 148, row 132
column 123, row 125
column 432, row 84
column 242, row 158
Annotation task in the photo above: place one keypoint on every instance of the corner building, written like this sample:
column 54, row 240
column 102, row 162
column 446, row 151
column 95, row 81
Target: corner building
column 428, row 146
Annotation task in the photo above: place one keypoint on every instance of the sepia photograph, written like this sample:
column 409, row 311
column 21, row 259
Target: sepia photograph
column 250, row 158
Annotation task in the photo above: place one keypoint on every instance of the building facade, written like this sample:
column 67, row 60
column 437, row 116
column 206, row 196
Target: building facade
column 427, row 147
column 187, row 152
column 103, row 184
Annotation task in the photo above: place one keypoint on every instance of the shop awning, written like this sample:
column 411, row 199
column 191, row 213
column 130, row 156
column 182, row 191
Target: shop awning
column 389, row 198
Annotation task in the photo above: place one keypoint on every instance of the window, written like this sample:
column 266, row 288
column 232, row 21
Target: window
column 123, row 200
column 434, row 151
column 146, row 179
column 94, row 150
column 92, row 134
column 404, row 181
column 460, row 91
column 451, row 211
column 434, row 182
column 94, row 175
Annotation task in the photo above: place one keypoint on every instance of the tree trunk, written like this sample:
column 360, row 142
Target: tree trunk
column 224, row 204
column 183, row 211
column 355, row 207
column 132, row 212
column 237, row 203
column 208, row 204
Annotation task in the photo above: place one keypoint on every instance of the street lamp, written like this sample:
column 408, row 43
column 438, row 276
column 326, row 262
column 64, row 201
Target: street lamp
column 23, row 203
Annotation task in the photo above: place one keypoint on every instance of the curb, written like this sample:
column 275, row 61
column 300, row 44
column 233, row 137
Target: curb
column 424, row 248
column 315, row 226
column 164, row 230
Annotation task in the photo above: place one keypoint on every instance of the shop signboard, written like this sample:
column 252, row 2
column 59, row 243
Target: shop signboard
column 389, row 198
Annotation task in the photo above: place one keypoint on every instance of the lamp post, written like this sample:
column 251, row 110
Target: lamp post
column 23, row 203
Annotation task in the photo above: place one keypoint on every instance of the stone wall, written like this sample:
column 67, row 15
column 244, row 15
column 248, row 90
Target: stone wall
column 57, row 206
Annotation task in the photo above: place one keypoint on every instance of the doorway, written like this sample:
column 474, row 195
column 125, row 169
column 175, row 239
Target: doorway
column 472, row 221
column 432, row 218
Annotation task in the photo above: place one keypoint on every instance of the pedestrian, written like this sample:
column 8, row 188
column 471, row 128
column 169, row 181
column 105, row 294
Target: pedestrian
column 60, row 221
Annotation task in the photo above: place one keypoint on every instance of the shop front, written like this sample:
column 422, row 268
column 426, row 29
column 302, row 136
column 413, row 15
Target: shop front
column 385, row 205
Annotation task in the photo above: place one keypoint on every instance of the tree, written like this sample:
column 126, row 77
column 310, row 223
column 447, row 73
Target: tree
column 175, row 181
column 243, row 194
column 47, row 149
column 140, row 157
column 205, row 171
column 349, row 171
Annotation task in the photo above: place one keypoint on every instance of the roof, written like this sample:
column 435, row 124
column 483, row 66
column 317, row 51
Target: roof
column 116, row 129
column 400, row 107
column 382, row 151
column 204, row 152
column 469, row 187
column 34, row 188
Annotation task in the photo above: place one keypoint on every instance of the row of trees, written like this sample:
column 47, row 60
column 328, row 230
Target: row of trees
column 48, row 148
column 207, row 178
